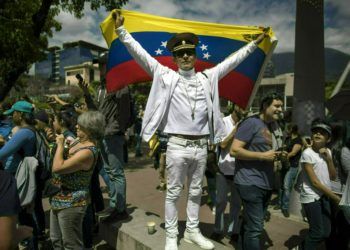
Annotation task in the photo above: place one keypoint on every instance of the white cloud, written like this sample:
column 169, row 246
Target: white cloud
column 73, row 29
column 280, row 15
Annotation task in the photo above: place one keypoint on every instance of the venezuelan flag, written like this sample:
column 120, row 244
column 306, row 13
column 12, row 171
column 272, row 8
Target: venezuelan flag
column 216, row 42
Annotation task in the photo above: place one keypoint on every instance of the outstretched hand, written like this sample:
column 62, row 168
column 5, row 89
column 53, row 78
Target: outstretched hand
column 118, row 19
column 262, row 36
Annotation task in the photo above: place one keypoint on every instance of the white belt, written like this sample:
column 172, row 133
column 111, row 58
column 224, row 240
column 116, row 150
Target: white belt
column 186, row 142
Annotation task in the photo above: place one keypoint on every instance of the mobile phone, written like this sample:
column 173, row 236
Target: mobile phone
column 79, row 77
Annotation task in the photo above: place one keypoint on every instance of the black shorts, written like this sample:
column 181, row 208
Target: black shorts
column 9, row 200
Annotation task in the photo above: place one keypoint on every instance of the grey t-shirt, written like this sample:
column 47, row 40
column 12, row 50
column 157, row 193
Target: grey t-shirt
column 255, row 133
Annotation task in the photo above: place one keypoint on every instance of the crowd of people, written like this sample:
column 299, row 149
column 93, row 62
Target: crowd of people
column 60, row 154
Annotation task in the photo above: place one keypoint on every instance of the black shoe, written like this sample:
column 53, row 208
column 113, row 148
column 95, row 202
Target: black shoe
column 234, row 238
column 267, row 216
column 116, row 216
column 216, row 236
column 277, row 207
column 42, row 236
column 285, row 213
column 106, row 212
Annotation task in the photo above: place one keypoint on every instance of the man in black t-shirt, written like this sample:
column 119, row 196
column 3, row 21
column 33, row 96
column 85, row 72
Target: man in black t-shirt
column 294, row 146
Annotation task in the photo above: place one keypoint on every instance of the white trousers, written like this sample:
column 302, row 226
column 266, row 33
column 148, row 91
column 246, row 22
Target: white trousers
column 182, row 162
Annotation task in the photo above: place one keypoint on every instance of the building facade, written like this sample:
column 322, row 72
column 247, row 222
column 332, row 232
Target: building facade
column 282, row 84
column 71, row 54
column 90, row 72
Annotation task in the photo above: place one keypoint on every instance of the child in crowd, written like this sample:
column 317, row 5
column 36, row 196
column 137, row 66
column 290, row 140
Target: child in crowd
column 317, row 172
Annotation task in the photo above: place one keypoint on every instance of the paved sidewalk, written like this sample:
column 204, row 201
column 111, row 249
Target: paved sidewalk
column 142, row 179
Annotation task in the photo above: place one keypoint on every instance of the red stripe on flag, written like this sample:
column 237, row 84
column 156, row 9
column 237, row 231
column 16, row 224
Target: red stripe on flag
column 237, row 88
column 234, row 86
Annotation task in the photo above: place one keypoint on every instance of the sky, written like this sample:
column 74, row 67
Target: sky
column 279, row 14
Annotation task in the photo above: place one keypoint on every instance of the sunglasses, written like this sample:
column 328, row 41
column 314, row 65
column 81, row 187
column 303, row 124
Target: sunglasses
column 188, row 52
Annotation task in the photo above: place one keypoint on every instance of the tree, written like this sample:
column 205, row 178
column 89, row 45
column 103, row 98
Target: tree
column 26, row 25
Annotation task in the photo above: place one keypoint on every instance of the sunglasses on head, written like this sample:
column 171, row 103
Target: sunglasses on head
column 188, row 52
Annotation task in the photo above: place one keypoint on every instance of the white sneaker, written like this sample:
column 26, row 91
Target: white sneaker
column 198, row 239
column 171, row 243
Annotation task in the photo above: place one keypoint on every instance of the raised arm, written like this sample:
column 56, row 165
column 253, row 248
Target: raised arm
column 87, row 96
column 233, row 60
column 141, row 56
column 82, row 160
column 15, row 143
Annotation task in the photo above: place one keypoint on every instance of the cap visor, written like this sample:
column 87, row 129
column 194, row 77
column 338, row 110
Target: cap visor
column 9, row 112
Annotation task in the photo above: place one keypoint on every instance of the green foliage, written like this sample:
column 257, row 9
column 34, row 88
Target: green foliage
column 25, row 27
column 93, row 87
column 140, row 99
column 41, row 105
column 18, row 45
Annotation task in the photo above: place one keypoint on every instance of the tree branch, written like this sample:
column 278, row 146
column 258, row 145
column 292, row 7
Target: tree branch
column 40, row 17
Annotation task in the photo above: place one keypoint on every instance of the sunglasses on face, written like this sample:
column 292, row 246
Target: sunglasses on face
column 319, row 131
column 188, row 52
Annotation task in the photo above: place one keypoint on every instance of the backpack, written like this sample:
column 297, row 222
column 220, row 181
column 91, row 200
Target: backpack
column 26, row 180
column 33, row 170
column 42, row 154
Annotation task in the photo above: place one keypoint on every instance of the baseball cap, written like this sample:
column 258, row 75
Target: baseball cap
column 21, row 106
column 322, row 126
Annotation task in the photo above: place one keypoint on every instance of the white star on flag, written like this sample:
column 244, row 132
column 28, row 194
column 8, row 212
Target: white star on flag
column 163, row 44
column 204, row 47
column 206, row 55
column 158, row 51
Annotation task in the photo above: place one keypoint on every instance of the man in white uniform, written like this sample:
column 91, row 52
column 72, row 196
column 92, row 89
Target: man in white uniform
column 185, row 105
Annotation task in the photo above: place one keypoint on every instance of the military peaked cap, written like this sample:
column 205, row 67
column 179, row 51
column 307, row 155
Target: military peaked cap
column 182, row 41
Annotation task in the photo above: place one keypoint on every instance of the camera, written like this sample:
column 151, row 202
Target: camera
column 283, row 158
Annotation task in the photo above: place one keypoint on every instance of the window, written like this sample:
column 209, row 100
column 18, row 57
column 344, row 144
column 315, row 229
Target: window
column 74, row 72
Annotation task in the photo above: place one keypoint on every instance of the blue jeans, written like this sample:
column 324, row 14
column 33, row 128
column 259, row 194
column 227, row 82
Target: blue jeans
column 224, row 186
column 318, row 214
column 289, row 180
column 112, row 192
column 255, row 201
column 112, row 155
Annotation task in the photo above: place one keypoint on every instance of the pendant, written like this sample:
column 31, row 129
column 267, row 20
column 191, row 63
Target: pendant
column 192, row 115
